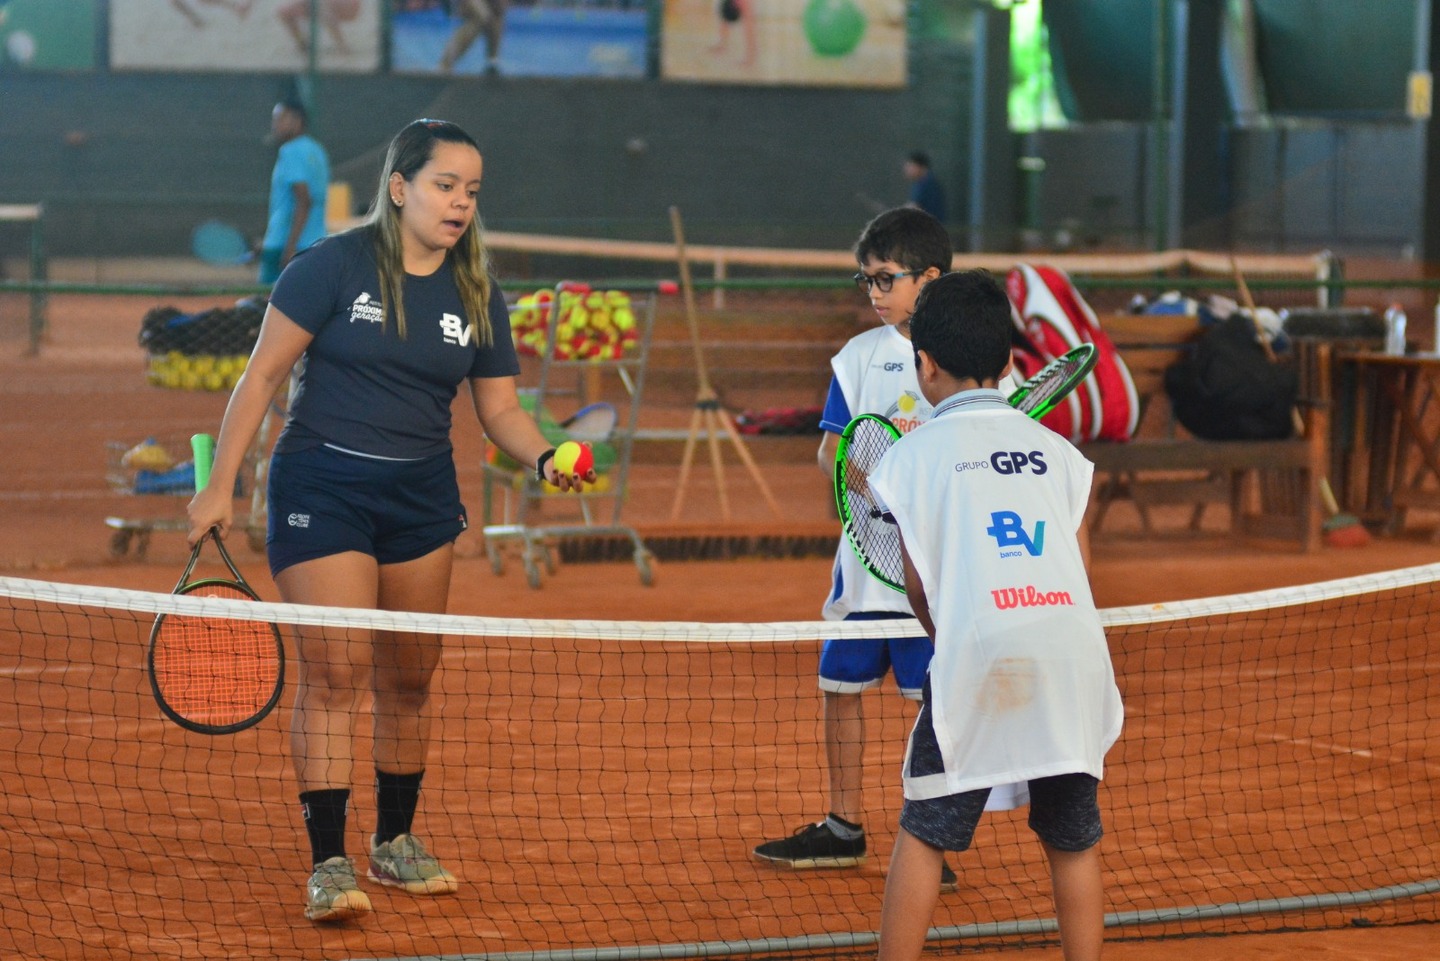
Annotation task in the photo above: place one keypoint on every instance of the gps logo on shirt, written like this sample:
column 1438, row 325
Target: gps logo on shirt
column 1010, row 535
column 1015, row 461
column 365, row 308
column 455, row 329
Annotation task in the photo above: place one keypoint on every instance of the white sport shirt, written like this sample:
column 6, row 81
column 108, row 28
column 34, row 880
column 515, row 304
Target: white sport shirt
column 1021, row 682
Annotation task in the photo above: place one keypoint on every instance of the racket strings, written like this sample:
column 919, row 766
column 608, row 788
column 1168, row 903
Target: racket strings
column 1048, row 383
column 1053, row 382
column 873, row 531
column 216, row 671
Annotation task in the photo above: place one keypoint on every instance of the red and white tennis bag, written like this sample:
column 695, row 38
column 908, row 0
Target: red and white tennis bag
column 1054, row 318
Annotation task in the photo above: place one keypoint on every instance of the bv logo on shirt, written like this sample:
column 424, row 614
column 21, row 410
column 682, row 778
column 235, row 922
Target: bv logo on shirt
column 1010, row 535
column 455, row 330
column 365, row 308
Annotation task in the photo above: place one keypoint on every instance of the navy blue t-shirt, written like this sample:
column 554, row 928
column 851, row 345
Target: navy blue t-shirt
column 364, row 388
column 927, row 194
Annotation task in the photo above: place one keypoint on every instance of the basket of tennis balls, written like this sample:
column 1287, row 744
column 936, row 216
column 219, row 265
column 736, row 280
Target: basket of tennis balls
column 181, row 371
column 594, row 325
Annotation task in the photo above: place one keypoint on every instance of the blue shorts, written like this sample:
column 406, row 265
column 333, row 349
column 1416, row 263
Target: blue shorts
column 323, row 501
column 1064, row 809
column 850, row 666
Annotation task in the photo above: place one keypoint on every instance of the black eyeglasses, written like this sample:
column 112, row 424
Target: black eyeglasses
column 881, row 282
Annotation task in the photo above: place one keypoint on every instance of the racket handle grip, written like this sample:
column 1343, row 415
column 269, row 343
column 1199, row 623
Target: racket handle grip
column 203, row 447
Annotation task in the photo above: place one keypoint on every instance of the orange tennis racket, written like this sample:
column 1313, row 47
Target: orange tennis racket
column 214, row 675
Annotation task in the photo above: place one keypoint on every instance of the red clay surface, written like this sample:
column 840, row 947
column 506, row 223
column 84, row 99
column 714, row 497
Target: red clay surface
column 87, row 388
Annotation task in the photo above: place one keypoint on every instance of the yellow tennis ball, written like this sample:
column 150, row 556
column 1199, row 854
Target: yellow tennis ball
column 573, row 457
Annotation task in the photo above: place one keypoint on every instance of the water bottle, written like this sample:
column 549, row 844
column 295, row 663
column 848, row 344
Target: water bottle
column 1395, row 330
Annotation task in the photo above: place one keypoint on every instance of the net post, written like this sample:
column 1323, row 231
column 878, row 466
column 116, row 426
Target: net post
column 34, row 215
column 38, row 271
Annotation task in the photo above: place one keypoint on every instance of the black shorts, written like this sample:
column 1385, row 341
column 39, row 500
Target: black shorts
column 1064, row 809
column 323, row 501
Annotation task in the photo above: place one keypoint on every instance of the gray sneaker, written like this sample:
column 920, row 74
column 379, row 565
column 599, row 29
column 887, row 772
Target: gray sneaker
column 332, row 894
column 404, row 863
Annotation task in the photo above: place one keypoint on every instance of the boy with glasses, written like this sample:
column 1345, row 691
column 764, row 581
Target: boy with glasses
column 899, row 252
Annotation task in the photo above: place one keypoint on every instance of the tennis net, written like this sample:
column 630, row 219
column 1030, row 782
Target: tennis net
column 598, row 786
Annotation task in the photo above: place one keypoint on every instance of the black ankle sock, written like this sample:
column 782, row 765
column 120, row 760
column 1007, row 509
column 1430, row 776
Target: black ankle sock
column 324, row 813
column 396, row 797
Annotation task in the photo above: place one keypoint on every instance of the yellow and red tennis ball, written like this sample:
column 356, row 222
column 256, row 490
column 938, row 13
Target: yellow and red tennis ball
column 574, row 457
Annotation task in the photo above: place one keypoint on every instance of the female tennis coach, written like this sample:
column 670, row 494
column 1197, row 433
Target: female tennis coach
column 386, row 320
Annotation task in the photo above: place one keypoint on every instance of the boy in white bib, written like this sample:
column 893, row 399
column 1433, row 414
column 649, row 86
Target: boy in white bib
column 991, row 506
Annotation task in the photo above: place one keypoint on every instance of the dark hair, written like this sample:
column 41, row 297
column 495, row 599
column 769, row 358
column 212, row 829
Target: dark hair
column 908, row 236
column 962, row 320
column 410, row 150
column 291, row 105
column 920, row 159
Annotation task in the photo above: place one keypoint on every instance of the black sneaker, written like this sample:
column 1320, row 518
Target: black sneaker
column 814, row 846
column 948, row 881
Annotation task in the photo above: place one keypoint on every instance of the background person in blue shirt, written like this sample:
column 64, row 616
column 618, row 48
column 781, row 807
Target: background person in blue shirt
column 298, row 185
column 925, row 190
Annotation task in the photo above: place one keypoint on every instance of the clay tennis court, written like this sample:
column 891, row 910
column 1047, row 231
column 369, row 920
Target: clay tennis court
column 234, row 889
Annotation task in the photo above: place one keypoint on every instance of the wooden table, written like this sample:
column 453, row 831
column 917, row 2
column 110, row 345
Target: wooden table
column 1395, row 462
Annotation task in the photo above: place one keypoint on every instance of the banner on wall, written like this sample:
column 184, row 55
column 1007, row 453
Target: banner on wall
column 851, row 43
column 47, row 34
column 245, row 35
column 520, row 38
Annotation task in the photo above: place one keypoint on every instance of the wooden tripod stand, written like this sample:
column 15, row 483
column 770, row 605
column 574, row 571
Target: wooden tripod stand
column 708, row 417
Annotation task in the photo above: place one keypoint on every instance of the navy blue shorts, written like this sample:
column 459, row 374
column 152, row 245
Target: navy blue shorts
column 849, row 666
column 323, row 501
column 1064, row 809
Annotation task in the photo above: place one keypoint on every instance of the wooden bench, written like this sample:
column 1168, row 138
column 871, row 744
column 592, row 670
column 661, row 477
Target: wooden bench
column 1271, row 487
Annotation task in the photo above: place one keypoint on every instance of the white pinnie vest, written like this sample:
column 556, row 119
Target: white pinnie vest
column 1022, row 685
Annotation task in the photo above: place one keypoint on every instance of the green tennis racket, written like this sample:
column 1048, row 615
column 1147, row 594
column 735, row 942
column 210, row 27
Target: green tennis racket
column 1052, row 383
column 871, row 531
